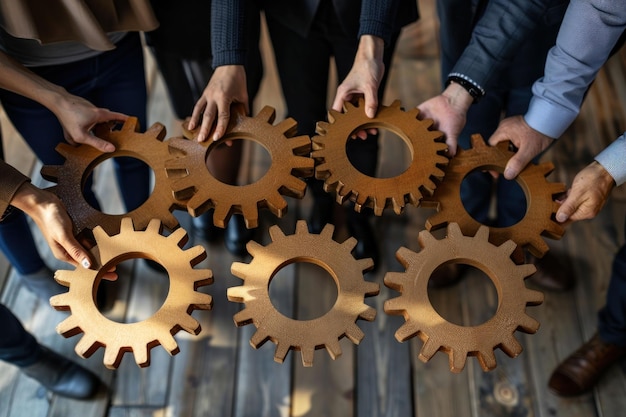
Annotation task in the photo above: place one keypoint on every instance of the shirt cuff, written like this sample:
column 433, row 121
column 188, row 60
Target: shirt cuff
column 612, row 159
column 548, row 118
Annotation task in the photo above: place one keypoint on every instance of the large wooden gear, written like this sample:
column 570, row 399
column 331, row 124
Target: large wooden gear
column 140, row 337
column 340, row 176
column 459, row 342
column 195, row 187
column 81, row 160
column 303, row 335
column 539, row 219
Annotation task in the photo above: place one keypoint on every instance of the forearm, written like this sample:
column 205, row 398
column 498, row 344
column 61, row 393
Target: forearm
column 377, row 17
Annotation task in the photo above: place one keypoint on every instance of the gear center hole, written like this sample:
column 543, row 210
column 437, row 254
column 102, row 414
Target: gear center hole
column 390, row 145
column 138, row 180
column 224, row 161
column 314, row 288
column 139, row 289
column 471, row 302
column 493, row 202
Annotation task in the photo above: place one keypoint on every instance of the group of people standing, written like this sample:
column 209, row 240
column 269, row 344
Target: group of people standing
column 81, row 63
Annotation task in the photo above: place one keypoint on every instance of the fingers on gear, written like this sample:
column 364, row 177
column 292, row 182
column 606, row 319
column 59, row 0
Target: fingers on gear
column 459, row 342
column 81, row 160
column 196, row 188
column 159, row 329
column 303, row 335
column 426, row 147
column 539, row 219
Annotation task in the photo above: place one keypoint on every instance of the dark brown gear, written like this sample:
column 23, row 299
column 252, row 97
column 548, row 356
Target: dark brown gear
column 303, row 335
column 199, row 190
column 541, row 208
column 81, row 160
column 421, row 318
column 340, row 176
column 140, row 337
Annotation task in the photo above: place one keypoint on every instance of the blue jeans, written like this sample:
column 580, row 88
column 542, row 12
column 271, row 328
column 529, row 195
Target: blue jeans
column 17, row 346
column 114, row 80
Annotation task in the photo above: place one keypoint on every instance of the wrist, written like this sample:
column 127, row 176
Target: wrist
column 371, row 47
column 473, row 88
column 458, row 97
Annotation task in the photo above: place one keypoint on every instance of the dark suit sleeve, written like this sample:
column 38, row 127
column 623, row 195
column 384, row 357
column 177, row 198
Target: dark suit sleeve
column 228, row 40
column 498, row 34
column 377, row 18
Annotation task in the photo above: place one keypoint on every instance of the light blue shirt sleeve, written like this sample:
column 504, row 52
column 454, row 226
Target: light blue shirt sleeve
column 613, row 159
column 589, row 31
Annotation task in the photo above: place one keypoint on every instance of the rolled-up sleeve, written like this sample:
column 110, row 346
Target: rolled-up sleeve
column 10, row 181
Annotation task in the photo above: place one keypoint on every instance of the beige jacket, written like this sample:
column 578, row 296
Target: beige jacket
column 86, row 21
column 10, row 180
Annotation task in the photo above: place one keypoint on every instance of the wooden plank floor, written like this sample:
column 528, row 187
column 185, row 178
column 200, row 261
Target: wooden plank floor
column 218, row 373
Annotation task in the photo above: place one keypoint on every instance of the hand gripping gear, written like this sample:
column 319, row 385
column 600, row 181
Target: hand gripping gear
column 140, row 337
column 303, row 335
column 540, row 211
column 458, row 342
column 192, row 182
column 81, row 160
column 425, row 145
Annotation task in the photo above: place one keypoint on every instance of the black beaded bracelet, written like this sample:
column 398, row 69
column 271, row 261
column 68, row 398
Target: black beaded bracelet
column 474, row 90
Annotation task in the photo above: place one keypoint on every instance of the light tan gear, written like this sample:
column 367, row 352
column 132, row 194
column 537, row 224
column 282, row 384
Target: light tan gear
column 539, row 219
column 81, row 160
column 159, row 329
column 201, row 190
column 457, row 341
column 425, row 145
column 303, row 335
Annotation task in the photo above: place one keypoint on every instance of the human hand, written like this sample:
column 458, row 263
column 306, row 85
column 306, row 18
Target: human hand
column 226, row 86
column 364, row 79
column 78, row 116
column 50, row 216
column 448, row 111
column 588, row 194
column 528, row 141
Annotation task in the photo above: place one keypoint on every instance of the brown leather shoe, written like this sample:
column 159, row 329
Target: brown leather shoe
column 581, row 370
column 552, row 274
column 447, row 275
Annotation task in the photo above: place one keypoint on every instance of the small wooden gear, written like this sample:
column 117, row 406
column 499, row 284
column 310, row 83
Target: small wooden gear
column 539, row 219
column 333, row 166
column 195, row 187
column 140, row 337
column 303, row 335
column 457, row 341
column 81, row 160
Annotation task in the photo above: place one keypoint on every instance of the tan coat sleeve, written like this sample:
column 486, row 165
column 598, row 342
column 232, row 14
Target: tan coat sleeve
column 10, row 180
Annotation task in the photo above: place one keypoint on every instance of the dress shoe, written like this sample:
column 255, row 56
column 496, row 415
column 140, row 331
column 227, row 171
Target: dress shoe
column 360, row 228
column 62, row 376
column 42, row 284
column 552, row 274
column 447, row 275
column 581, row 370
column 237, row 235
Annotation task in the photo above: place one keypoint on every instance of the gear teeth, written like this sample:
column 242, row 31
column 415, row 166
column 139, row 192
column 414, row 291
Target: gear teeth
column 62, row 278
column 349, row 244
column 511, row 347
column 253, row 248
column 61, row 301
column 421, row 319
column 304, row 336
column 50, row 173
column 333, row 348
column 159, row 329
column 366, row 264
column 342, row 178
column 290, row 159
column 81, row 160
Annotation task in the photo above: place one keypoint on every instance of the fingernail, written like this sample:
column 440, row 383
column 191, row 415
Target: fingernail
column 85, row 263
column 508, row 173
column 561, row 217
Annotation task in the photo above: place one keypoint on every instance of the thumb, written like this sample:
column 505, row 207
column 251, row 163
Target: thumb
column 565, row 211
column 371, row 104
column 516, row 164
column 100, row 144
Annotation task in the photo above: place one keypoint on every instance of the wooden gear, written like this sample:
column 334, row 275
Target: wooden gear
column 81, row 160
column 195, row 187
column 426, row 148
column 303, row 335
column 458, row 342
column 140, row 337
column 541, row 208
